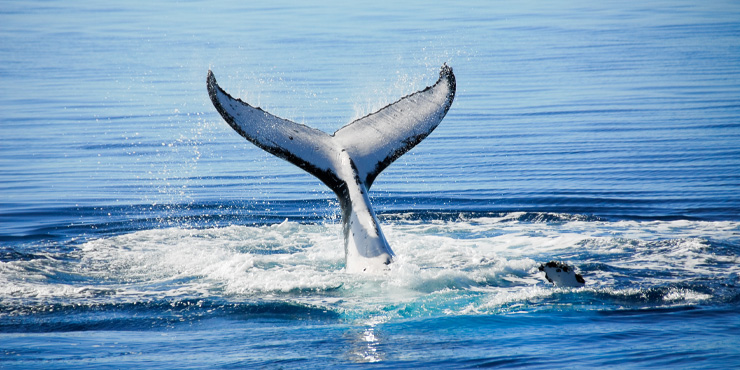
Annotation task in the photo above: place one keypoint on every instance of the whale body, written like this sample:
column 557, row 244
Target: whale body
column 349, row 160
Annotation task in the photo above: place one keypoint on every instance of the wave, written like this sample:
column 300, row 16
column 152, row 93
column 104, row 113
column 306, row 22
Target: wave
column 147, row 315
column 454, row 265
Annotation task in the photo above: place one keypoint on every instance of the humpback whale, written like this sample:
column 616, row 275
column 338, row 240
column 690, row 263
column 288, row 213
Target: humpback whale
column 349, row 160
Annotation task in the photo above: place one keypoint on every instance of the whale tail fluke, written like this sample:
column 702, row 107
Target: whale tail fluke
column 373, row 142
column 349, row 160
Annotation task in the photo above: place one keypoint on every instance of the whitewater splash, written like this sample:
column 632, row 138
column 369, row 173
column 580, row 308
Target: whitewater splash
column 463, row 265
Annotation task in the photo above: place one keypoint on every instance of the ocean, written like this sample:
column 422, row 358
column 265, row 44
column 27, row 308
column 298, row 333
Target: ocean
column 138, row 230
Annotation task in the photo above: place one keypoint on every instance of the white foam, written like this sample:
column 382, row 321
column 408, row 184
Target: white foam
column 493, row 259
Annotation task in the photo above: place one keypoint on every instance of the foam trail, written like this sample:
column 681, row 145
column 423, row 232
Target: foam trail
column 478, row 265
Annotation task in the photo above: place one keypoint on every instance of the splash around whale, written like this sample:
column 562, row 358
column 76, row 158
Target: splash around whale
column 349, row 160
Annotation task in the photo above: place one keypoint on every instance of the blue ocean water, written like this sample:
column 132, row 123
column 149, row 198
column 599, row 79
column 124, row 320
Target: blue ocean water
column 137, row 230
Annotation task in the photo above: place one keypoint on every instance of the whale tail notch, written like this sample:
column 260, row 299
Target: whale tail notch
column 349, row 160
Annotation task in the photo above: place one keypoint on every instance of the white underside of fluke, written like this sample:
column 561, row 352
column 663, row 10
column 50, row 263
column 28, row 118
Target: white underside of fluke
column 349, row 160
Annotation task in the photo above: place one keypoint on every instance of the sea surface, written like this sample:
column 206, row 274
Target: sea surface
column 138, row 230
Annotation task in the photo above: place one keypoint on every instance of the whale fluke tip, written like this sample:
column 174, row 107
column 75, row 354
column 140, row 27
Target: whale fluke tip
column 445, row 71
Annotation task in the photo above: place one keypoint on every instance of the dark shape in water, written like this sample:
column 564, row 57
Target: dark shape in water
column 561, row 274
